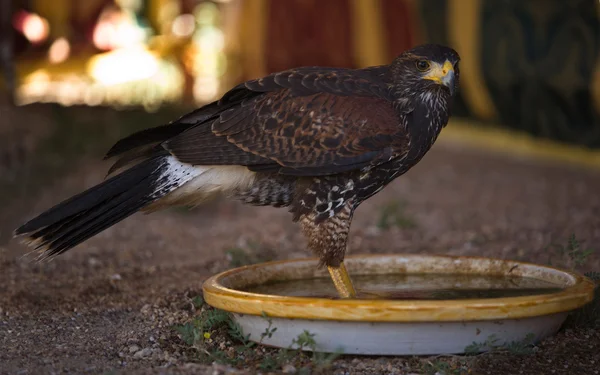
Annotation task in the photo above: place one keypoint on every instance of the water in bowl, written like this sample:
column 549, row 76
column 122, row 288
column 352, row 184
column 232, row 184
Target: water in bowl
column 415, row 286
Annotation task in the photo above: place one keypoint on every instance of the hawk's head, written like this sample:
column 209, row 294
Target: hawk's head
column 426, row 68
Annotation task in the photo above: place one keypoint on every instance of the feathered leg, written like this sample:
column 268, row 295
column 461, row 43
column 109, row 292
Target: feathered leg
column 327, row 238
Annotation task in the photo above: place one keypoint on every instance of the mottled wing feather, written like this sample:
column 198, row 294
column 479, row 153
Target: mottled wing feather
column 310, row 80
column 200, row 146
column 307, row 121
column 134, row 147
column 159, row 134
column 310, row 135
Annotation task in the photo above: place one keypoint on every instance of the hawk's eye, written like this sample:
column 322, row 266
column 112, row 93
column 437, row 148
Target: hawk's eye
column 423, row 65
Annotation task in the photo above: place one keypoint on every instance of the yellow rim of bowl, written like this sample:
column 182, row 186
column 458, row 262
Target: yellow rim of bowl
column 570, row 298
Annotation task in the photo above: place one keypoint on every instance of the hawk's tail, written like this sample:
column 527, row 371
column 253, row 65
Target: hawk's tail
column 76, row 219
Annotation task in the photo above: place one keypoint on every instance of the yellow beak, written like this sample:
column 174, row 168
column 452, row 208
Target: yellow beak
column 442, row 74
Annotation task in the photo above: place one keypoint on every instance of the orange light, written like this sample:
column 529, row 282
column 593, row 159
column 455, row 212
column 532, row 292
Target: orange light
column 59, row 51
column 104, row 34
column 184, row 25
column 116, row 29
column 123, row 65
column 34, row 27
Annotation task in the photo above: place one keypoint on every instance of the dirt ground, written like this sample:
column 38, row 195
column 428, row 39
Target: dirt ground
column 108, row 306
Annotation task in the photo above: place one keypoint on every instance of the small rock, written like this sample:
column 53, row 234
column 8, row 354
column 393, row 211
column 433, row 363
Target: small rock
column 221, row 369
column 93, row 262
column 133, row 348
column 288, row 369
column 143, row 353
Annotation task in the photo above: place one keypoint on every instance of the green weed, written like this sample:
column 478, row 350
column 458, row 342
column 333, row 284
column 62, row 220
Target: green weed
column 521, row 347
column 200, row 334
column 576, row 254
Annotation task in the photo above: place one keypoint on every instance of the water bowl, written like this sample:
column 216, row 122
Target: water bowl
column 411, row 304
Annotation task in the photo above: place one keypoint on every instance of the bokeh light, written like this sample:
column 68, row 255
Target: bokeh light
column 184, row 25
column 59, row 51
column 35, row 28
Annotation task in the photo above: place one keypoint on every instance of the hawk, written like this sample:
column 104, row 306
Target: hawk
column 315, row 139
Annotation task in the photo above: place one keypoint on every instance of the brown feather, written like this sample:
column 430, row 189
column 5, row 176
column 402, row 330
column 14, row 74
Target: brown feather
column 317, row 134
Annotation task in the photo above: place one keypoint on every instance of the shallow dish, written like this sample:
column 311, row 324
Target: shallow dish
column 412, row 305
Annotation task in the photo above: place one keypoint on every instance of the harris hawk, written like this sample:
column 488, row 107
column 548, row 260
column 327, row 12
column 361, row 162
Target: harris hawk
column 317, row 140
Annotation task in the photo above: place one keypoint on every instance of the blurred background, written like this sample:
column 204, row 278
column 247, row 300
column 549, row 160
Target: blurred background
column 531, row 65
column 77, row 75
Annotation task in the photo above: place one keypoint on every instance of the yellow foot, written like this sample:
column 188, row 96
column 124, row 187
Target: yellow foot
column 341, row 280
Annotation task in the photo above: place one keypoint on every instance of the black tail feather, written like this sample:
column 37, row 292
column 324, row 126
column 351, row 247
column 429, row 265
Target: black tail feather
column 136, row 155
column 75, row 220
column 159, row 134
column 146, row 137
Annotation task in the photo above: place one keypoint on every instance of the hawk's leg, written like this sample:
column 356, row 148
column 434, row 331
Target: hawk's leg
column 341, row 280
column 327, row 238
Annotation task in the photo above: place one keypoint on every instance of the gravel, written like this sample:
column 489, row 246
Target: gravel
column 109, row 306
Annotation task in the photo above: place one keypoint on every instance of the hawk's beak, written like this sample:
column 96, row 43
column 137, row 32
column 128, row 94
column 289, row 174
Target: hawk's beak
column 443, row 74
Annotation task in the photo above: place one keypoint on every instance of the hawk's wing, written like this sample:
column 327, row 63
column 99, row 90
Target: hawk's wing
column 310, row 121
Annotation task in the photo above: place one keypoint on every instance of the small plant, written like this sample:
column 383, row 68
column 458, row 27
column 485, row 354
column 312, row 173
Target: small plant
column 269, row 331
column 198, row 301
column 478, row 347
column 201, row 329
column 272, row 362
column 195, row 332
column 305, row 340
column 574, row 251
column 520, row 347
column 393, row 215
column 212, row 324
column 320, row 360
column 237, row 333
